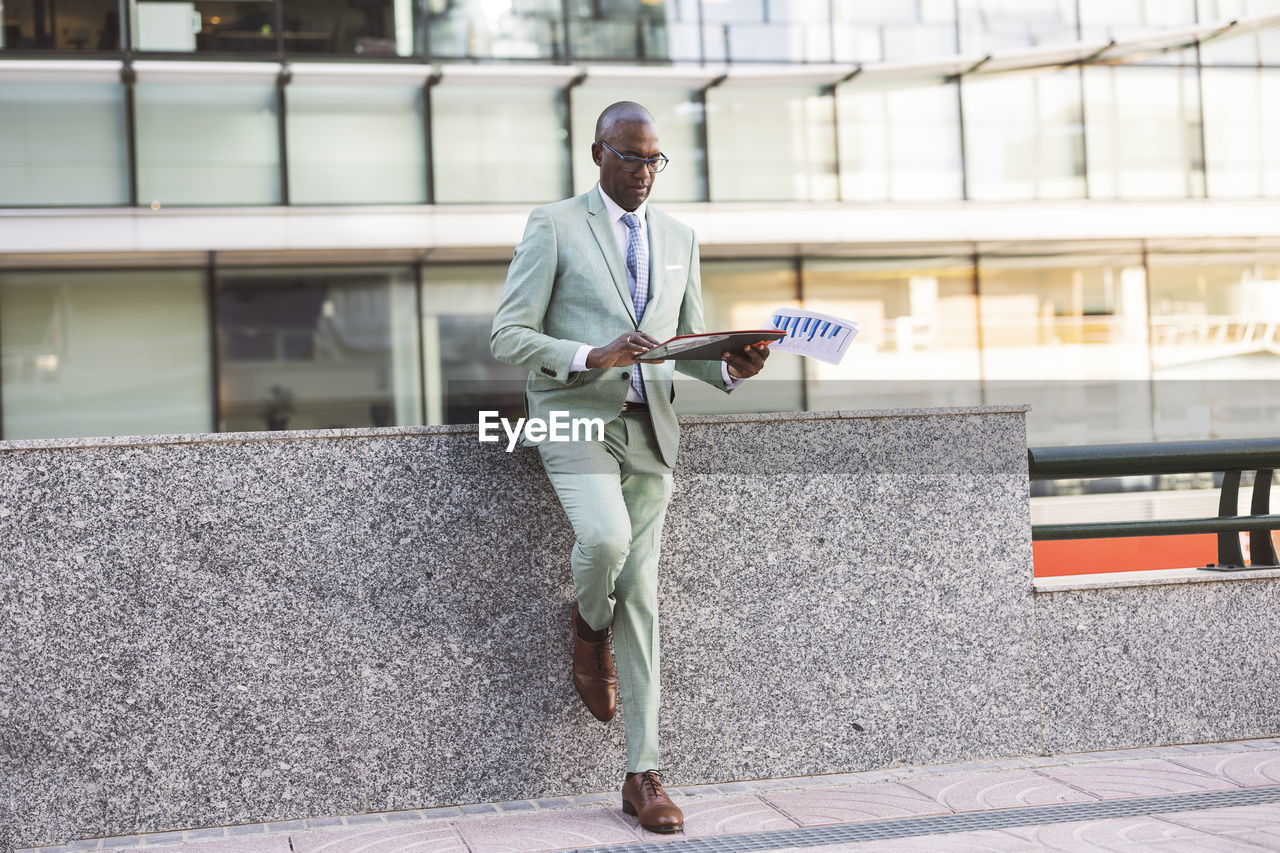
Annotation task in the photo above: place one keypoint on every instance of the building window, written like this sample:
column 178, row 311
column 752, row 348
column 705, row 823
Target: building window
column 1259, row 47
column 917, row 343
column 321, row 348
column 900, row 144
column 208, row 143
column 721, row 18
column 498, row 29
column 634, row 29
column 110, row 352
column 63, row 144
column 204, row 26
column 68, row 25
column 790, row 31
column 349, row 27
column 991, row 26
column 499, row 143
column 351, row 144
column 1024, row 136
column 1242, row 131
column 1109, row 19
column 872, row 30
column 772, row 143
column 1215, row 339
column 1069, row 336
column 462, row 376
column 1143, row 135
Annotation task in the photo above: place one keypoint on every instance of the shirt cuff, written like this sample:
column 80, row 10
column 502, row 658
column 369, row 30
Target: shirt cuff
column 730, row 382
column 580, row 358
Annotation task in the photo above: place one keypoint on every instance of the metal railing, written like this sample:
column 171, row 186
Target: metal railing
column 1231, row 457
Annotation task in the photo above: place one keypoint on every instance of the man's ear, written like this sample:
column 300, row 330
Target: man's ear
column 597, row 151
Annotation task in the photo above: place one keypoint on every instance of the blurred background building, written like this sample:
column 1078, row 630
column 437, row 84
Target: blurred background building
column 267, row 214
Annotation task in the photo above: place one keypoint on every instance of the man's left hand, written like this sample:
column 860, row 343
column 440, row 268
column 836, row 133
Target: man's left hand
column 748, row 362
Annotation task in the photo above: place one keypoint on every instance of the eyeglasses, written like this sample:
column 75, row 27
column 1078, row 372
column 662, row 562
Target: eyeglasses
column 633, row 164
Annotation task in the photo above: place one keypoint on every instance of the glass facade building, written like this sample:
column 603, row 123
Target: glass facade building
column 636, row 31
column 266, row 215
column 1091, row 338
column 208, row 136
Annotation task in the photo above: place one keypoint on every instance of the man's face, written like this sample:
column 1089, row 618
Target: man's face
column 632, row 139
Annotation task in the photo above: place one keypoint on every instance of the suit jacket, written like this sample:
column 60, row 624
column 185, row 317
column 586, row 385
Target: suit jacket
column 567, row 285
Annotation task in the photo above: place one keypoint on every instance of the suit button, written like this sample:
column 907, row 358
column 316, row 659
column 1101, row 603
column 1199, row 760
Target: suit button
column 626, row 375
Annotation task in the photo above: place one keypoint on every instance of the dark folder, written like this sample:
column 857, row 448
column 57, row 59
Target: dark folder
column 709, row 346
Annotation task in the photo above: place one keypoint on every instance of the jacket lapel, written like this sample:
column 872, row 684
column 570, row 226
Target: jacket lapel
column 603, row 230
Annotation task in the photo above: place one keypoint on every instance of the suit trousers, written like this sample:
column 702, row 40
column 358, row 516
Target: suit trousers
column 615, row 493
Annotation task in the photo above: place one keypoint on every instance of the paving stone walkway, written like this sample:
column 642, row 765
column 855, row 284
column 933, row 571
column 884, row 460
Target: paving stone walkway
column 1198, row 799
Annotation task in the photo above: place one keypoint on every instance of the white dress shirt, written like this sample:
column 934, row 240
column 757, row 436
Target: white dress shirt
column 623, row 235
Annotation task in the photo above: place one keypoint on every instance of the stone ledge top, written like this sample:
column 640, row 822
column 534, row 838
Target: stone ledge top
column 464, row 429
column 1154, row 577
column 849, row 414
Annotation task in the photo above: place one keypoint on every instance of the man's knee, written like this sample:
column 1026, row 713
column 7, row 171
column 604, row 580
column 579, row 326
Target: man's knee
column 606, row 547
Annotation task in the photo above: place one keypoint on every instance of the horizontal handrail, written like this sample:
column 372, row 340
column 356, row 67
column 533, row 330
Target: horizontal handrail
column 1164, row 457
column 1160, row 527
column 1230, row 456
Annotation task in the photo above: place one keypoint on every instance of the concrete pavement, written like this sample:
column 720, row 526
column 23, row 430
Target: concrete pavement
column 1208, row 797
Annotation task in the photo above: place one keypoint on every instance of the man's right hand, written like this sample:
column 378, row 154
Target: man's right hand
column 622, row 351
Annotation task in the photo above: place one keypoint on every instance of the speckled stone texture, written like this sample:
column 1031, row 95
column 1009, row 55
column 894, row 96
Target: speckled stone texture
column 263, row 545
column 955, row 491
column 211, row 630
column 83, row 692
column 1150, row 665
column 806, row 599
column 465, row 575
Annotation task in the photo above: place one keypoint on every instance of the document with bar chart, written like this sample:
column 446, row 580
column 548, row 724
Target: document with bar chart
column 819, row 336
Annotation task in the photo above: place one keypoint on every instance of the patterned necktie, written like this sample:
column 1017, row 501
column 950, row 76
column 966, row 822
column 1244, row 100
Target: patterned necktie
column 638, row 280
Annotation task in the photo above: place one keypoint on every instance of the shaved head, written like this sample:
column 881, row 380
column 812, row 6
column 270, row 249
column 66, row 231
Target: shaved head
column 626, row 133
column 623, row 112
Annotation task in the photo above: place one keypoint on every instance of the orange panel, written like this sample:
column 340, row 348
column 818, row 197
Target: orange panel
column 1138, row 553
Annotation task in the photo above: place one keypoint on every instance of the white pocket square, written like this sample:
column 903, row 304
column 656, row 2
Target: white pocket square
column 671, row 267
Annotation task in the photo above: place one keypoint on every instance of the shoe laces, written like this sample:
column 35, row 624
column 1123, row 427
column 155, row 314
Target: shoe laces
column 651, row 780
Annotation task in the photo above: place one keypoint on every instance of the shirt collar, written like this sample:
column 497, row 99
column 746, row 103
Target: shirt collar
column 615, row 210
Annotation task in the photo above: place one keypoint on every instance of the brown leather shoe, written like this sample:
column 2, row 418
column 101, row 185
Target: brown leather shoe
column 643, row 797
column 593, row 673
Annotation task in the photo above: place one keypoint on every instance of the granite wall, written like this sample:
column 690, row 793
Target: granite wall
column 1175, row 657
column 221, row 629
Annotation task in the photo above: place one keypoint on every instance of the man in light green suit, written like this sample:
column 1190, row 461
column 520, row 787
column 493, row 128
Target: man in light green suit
column 597, row 281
